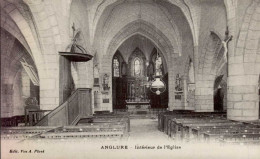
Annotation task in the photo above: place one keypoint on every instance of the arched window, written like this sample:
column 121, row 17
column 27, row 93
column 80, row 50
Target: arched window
column 137, row 63
column 137, row 67
column 116, row 67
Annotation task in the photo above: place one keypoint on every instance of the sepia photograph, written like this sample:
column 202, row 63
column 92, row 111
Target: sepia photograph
column 130, row 79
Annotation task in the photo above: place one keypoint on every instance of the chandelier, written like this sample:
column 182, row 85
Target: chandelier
column 157, row 85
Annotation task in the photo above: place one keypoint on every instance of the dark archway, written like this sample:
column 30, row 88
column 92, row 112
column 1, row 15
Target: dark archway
column 118, row 81
column 218, row 94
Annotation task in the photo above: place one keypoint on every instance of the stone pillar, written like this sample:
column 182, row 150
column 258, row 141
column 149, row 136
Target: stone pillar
column 243, row 100
column 203, row 96
column 185, row 93
column 243, row 75
column 107, row 95
column 172, row 71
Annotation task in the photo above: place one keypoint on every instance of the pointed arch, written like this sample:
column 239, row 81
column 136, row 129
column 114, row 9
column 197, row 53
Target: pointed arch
column 117, row 63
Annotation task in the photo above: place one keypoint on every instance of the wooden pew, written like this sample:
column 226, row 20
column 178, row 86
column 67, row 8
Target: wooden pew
column 217, row 130
column 164, row 118
column 167, row 118
column 99, row 125
column 107, row 125
column 161, row 118
column 197, row 131
column 208, row 127
column 185, row 129
column 171, row 121
column 117, row 134
column 216, row 136
column 235, row 127
column 241, row 138
column 256, row 122
column 19, row 133
column 107, row 119
column 97, row 130
column 180, row 127
column 121, row 118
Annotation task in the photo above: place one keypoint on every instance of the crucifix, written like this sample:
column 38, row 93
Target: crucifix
column 225, row 42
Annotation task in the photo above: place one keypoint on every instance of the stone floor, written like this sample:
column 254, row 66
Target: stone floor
column 146, row 129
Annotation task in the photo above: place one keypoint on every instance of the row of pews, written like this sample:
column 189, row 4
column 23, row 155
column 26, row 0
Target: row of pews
column 99, row 126
column 213, row 127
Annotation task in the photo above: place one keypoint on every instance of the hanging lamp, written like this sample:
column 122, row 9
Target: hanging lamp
column 157, row 85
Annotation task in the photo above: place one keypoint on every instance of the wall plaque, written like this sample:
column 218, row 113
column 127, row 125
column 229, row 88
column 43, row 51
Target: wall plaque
column 105, row 100
column 178, row 97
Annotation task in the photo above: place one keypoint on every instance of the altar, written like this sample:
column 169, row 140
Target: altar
column 137, row 98
column 136, row 106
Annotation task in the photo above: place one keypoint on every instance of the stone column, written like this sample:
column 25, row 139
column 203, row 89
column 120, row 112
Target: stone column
column 242, row 97
column 243, row 75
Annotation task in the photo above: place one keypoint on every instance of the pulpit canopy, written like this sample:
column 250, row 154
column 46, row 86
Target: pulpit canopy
column 76, row 53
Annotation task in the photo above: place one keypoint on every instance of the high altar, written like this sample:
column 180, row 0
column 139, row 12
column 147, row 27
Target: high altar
column 137, row 98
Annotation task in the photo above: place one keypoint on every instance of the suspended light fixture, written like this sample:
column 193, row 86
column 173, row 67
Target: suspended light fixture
column 157, row 86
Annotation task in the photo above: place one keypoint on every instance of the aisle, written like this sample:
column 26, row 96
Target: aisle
column 146, row 129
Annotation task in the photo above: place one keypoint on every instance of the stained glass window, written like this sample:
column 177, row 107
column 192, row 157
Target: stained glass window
column 116, row 67
column 137, row 67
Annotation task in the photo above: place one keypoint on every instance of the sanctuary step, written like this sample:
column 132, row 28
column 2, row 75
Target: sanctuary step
column 139, row 113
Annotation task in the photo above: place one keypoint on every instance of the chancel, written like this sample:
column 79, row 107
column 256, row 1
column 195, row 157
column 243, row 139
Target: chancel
column 152, row 69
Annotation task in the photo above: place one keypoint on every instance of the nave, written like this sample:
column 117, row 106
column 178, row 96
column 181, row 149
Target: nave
column 109, row 134
column 179, row 125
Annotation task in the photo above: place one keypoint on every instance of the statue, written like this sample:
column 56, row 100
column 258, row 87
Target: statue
column 158, row 66
column 178, row 86
column 191, row 72
column 105, row 82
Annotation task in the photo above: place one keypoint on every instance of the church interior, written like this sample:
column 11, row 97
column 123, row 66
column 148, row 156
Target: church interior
column 179, row 70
